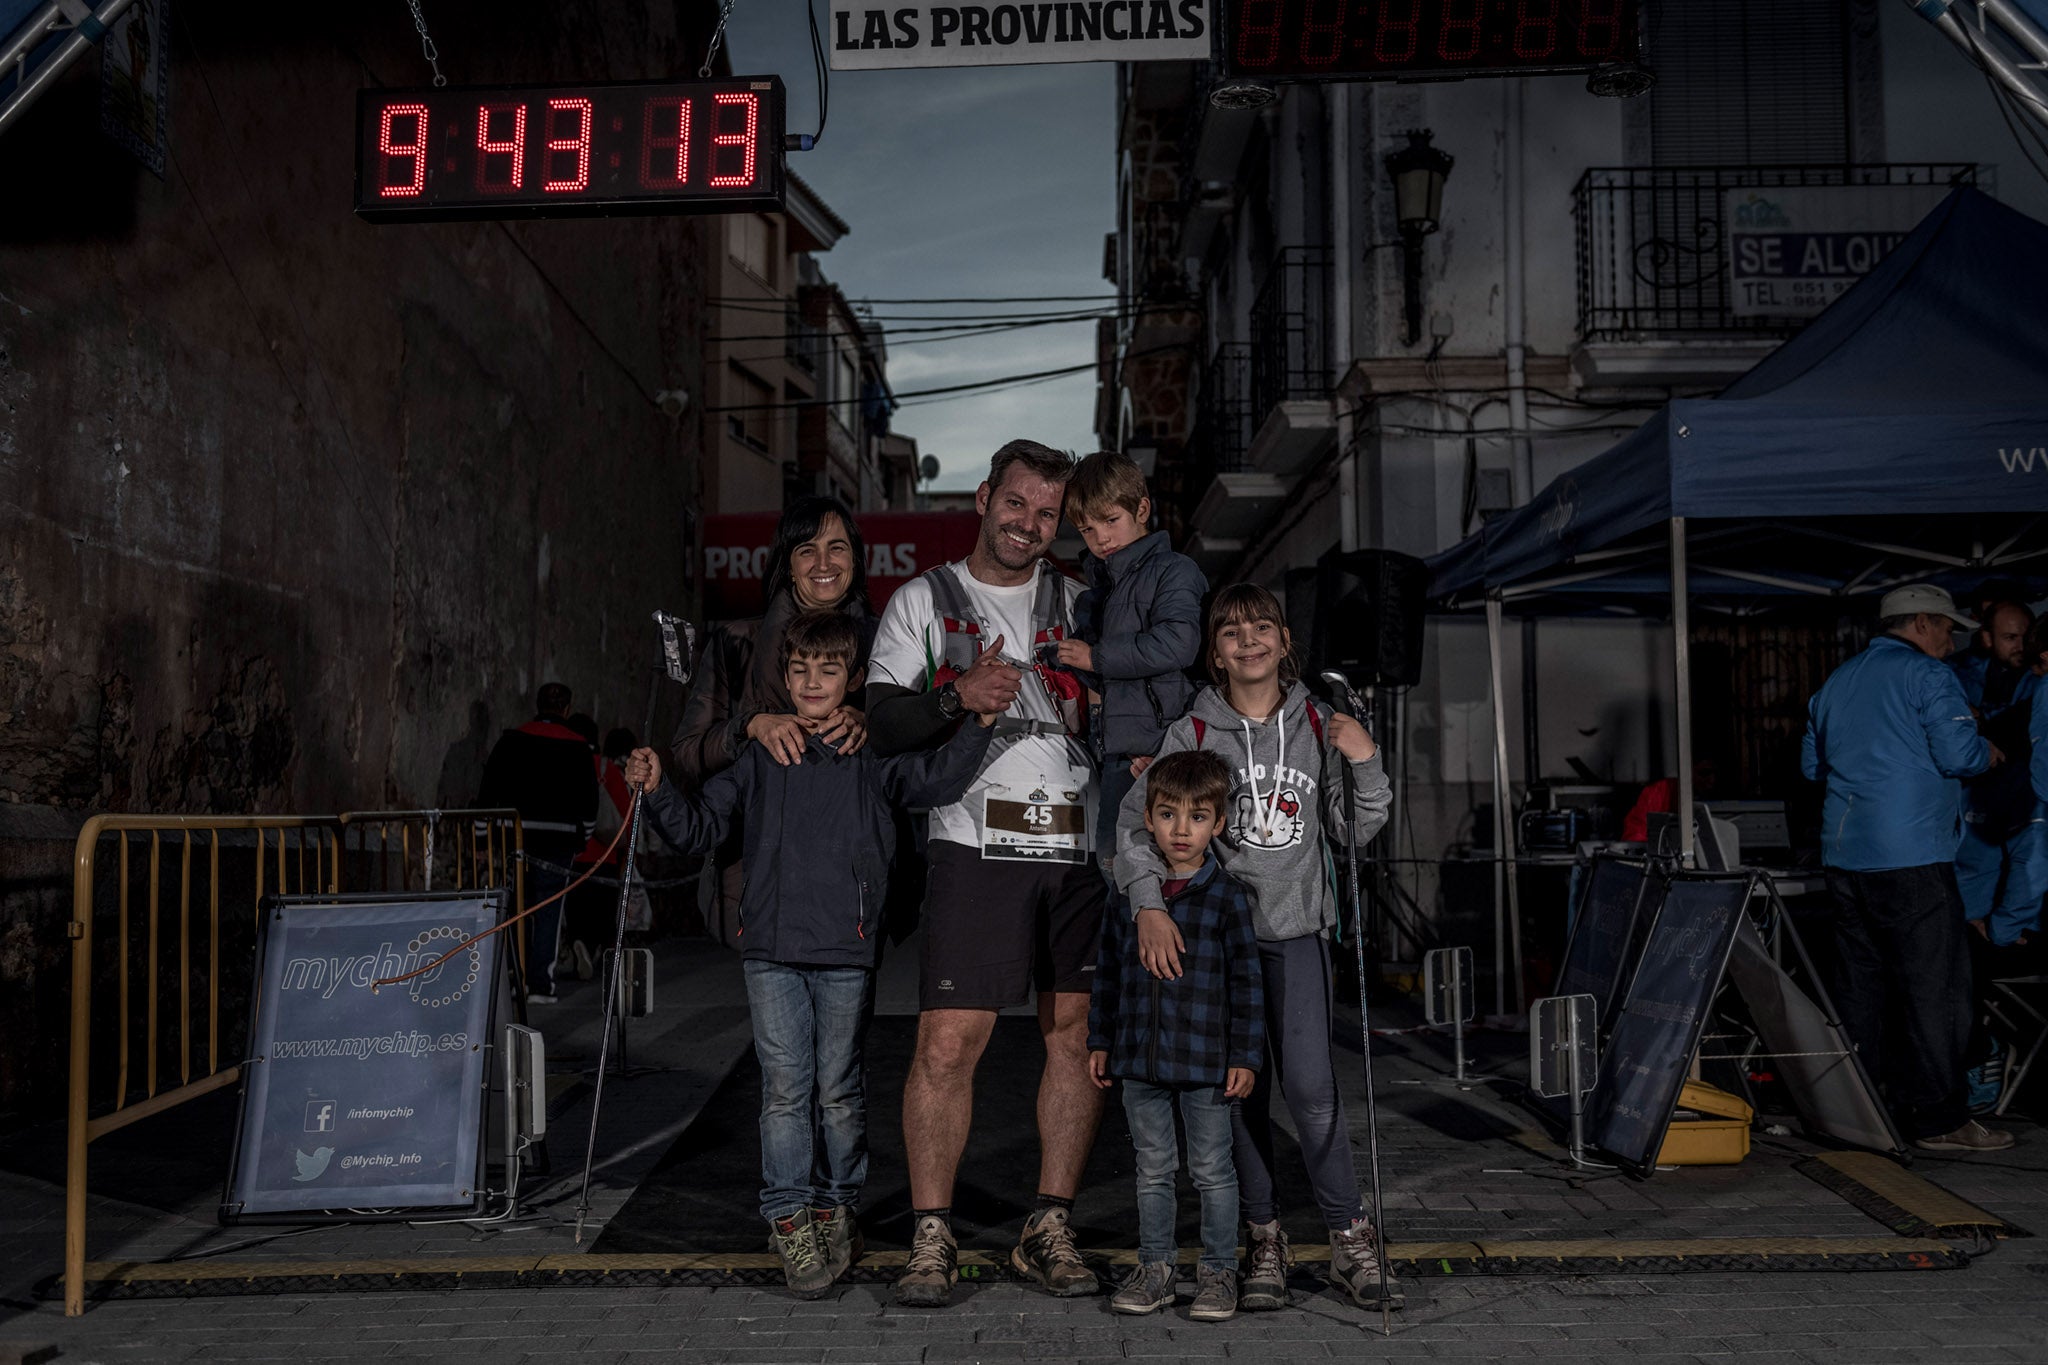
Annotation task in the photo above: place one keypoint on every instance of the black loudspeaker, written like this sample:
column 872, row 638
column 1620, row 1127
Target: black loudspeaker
column 1369, row 616
column 1300, row 587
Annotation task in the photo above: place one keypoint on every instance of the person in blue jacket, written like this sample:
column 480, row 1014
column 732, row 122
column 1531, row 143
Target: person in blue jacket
column 818, row 839
column 1891, row 735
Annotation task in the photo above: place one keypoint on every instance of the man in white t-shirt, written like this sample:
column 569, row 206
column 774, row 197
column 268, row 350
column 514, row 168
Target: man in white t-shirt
column 1014, row 901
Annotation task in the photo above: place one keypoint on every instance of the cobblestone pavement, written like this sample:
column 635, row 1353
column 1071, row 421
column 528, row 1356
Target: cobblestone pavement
column 1459, row 1165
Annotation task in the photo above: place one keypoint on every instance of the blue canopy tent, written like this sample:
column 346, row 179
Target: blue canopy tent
column 1902, row 436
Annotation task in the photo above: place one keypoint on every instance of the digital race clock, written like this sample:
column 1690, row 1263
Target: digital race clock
column 1392, row 39
column 570, row 151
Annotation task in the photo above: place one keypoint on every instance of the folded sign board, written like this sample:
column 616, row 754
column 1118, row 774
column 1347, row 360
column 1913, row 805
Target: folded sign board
column 359, row 1097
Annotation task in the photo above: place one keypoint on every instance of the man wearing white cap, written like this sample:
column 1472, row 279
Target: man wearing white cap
column 1891, row 735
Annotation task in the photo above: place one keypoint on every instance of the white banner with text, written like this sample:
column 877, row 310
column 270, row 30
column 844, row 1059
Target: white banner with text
column 868, row 38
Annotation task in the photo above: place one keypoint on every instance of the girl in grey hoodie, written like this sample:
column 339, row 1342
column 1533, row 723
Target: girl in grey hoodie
column 1288, row 756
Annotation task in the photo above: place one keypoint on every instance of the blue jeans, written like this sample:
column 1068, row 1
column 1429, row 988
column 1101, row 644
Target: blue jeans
column 2002, row 884
column 547, row 925
column 809, row 1025
column 1206, row 1115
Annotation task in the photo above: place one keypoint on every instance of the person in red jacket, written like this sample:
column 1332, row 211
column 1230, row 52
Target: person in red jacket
column 543, row 770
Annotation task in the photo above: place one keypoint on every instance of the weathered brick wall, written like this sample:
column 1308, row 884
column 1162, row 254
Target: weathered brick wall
column 299, row 511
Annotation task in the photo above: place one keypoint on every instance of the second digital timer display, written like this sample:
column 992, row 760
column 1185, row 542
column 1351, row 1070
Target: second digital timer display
column 1394, row 38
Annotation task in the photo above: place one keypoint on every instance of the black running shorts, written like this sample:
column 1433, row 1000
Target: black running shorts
column 995, row 930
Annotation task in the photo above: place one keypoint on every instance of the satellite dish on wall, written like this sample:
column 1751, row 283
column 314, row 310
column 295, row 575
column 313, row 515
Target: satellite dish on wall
column 928, row 468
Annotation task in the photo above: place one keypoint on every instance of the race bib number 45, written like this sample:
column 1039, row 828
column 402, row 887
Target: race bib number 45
column 1047, row 825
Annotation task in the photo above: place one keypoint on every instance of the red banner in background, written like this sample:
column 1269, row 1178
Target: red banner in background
column 900, row 546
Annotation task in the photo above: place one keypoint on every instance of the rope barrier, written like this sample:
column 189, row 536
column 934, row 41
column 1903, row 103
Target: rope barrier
column 638, row 880
column 384, row 981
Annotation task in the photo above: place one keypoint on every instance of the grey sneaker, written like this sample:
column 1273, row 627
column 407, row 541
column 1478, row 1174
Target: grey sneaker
column 933, row 1267
column 1971, row 1137
column 803, row 1266
column 1268, row 1258
column 1215, row 1295
column 1147, row 1289
column 839, row 1237
column 1046, row 1256
column 1355, row 1266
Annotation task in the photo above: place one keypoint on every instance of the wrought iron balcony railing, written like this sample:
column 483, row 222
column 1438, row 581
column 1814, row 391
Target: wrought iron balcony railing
column 1652, row 248
column 1224, row 422
column 1291, row 332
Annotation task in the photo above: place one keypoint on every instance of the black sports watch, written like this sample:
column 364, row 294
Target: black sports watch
column 950, row 705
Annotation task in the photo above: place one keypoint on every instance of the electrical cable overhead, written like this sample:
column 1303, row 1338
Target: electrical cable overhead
column 818, row 64
column 978, row 385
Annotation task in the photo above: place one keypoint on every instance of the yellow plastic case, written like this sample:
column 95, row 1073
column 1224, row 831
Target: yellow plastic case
column 1711, row 1128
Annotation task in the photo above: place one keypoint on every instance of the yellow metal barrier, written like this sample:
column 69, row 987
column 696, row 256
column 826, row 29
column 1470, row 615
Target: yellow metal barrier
column 294, row 854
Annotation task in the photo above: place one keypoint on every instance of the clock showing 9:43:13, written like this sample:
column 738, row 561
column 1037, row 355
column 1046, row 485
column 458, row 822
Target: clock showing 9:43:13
column 564, row 151
column 1425, row 39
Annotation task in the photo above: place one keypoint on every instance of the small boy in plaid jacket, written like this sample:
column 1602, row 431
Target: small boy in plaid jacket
column 1193, row 1042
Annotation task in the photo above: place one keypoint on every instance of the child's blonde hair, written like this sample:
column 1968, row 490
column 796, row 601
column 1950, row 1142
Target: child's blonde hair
column 1102, row 481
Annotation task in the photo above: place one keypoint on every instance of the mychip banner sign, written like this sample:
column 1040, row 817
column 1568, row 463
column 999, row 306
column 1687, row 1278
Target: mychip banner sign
column 868, row 37
column 359, row 1099
column 1793, row 251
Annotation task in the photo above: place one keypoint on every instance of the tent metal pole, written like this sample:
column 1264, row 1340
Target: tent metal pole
column 1681, row 660
column 1507, row 929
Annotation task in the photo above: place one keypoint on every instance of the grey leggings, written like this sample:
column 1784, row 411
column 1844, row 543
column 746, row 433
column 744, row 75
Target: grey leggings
column 1297, row 977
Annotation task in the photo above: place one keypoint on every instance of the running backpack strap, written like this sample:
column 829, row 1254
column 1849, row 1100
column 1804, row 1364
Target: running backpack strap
column 960, row 630
column 1050, row 625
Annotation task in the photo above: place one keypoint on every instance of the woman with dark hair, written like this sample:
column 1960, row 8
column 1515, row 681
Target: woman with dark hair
column 817, row 563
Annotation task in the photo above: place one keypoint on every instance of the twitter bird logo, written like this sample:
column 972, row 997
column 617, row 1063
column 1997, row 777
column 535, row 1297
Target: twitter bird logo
column 314, row 1166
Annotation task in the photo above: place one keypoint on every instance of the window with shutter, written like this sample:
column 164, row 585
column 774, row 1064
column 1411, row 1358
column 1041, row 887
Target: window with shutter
column 1750, row 83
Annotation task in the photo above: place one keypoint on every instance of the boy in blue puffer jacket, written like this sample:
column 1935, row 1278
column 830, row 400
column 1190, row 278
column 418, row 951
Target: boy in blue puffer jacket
column 1194, row 1042
column 1136, row 628
column 818, row 839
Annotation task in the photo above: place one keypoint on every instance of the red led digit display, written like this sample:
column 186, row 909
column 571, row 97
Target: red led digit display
column 573, row 150
column 1339, row 39
column 409, row 157
column 556, row 151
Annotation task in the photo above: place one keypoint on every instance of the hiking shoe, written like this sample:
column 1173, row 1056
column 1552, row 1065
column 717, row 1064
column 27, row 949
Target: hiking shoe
column 1971, row 1137
column 933, row 1266
column 839, row 1238
column 1215, row 1295
column 1268, row 1258
column 1046, row 1256
column 1147, row 1289
column 1355, row 1266
column 580, row 958
column 796, row 1241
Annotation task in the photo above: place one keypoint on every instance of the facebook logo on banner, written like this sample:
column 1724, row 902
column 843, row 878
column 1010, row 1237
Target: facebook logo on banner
column 320, row 1116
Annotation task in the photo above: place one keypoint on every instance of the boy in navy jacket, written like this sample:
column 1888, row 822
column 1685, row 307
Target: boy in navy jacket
column 1136, row 628
column 817, row 837
column 1194, row 1042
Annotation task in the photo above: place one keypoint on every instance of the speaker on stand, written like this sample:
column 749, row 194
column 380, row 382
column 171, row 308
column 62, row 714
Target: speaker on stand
column 1367, row 613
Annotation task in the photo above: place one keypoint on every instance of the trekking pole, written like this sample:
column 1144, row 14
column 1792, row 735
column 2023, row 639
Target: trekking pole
column 1372, row 1121
column 674, row 662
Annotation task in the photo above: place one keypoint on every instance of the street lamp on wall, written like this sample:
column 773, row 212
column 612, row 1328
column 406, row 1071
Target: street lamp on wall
column 1418, row 171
